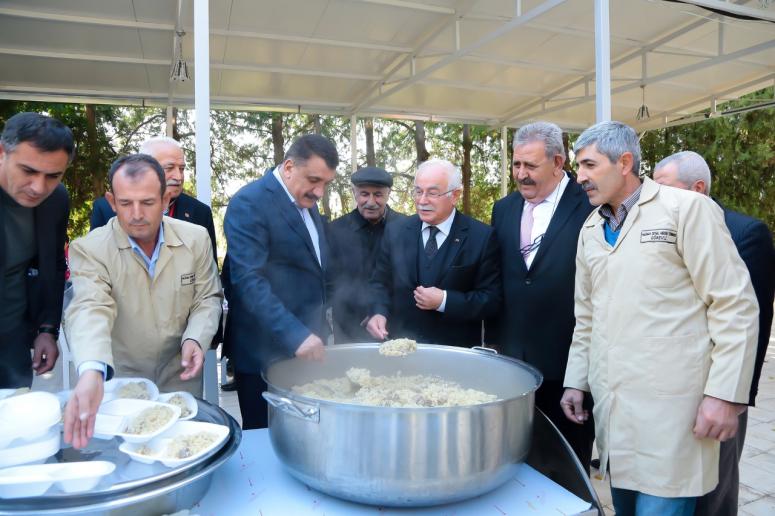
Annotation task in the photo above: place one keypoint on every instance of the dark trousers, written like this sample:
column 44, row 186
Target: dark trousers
column 15, row 358
column 722, row 501
column 252, row 406
column 580, row 437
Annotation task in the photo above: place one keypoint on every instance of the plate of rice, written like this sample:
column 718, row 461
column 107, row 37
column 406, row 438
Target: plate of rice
column 130, row 388
column 184, row 400
column 185, row 442
column 135, row 421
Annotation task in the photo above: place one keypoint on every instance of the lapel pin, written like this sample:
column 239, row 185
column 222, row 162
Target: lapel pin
column 457, row 240
column 187, row 215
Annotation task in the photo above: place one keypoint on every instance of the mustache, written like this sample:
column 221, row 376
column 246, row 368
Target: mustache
column 174, row 182
column 139, row 222
column 587, row 186
column 526, row 182
column 425, row 208
column 311, row 197
column 371, row 206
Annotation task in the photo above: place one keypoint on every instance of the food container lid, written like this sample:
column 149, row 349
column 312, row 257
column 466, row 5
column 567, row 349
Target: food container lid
column 27, row 417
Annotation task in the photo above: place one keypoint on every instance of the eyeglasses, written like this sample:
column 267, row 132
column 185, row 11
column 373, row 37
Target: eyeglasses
column 430, row 194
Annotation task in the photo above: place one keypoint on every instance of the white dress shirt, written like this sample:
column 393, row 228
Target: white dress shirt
column 306, row 216
column 542, row 215
column 441, row 235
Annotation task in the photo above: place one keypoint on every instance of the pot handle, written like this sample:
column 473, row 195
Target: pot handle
column 482, row 349
column 305, row 411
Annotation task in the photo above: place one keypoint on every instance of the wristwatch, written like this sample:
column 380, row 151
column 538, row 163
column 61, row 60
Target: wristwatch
column 50, row 330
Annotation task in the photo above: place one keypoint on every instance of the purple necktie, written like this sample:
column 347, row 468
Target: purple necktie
column 526, row 229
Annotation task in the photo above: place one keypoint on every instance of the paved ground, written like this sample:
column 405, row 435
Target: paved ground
column 757, row 467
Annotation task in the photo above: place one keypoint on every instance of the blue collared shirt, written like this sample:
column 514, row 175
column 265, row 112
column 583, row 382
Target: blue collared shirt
column 150, row 263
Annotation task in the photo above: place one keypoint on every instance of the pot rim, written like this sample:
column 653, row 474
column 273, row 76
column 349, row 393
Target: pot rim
column 455, row 349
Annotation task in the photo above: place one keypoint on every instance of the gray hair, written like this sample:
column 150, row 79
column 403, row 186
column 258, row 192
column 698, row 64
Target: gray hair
column 545, row 132
column 147, row 146
column 691, row 168
column 454, row 176
column 612, row 139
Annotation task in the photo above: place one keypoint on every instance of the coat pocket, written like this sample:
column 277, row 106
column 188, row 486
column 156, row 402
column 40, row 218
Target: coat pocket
column 676, row 365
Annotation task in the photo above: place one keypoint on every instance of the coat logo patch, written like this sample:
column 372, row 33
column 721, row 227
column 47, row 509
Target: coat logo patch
column 188, row 279
column 667, row 236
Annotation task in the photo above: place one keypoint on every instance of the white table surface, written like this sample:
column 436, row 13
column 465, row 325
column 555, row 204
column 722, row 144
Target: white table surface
column 253, row 481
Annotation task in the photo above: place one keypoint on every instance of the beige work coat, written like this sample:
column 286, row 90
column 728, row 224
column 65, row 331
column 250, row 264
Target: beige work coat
column 663, row 317
column 136, row 324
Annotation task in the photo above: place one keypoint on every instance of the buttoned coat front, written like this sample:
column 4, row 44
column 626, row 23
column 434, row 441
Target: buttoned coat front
column 132, row 322
column 663, row 317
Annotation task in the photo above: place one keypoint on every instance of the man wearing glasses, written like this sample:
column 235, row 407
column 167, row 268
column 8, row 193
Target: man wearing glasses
column 438, row 272
column 537, row 229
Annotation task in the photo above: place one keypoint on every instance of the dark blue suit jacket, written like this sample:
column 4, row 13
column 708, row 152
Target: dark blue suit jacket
column 470, row 275
column 754, row 243
column 274, row 284
column 187, row 208
column 46, row 273
column 536, row 320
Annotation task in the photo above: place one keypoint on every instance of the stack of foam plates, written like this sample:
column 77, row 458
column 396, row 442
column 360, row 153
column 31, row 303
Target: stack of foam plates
column 28, row 428
column 73, row 477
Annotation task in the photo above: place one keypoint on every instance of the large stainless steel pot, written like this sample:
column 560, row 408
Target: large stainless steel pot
column 403, row 456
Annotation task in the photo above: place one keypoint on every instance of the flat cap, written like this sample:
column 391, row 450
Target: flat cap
column 372, row 176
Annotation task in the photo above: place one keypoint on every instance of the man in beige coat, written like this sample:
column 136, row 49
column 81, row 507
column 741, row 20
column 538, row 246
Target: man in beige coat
column 666, row 328
column 147, row 297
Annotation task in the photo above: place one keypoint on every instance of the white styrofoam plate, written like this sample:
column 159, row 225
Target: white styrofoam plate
column 31, row 452
column 27, row 417
column 113, row 386
column 114, row 416
column 188, row 398
column 71, row 477
column 158, row 446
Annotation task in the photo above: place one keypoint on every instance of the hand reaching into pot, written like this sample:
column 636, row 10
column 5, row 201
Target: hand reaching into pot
column 312, row 348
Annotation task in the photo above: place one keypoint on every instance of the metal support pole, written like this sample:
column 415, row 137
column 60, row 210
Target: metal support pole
column 169, row 120
column 354, row 143
column 505, row 161
column 602, row 62
column 202, row 99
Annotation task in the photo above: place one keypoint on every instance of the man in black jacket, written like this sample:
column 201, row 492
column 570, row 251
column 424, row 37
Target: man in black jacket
column 538, row 228
column 34, row 153
column 689, row 171
column 438, row 272
column 355, row 240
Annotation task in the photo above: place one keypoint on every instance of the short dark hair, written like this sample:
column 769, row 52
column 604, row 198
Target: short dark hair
column 42, row 132
column 135, row 165
column 304, row 147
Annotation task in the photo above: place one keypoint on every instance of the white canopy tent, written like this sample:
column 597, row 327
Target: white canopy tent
column 499, row 63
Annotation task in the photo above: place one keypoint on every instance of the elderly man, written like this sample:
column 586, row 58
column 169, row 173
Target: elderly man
column 147, row 297
column 34, row 153
column 689, row 171
column 537, row 229
column 275, row 269
column 355, row 240
column 438, row 272
column 665, row 333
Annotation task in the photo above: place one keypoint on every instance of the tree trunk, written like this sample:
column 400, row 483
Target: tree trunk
column 419, row 142
column 93, row 159
column 175, row 132
column 369, row 125
column 278, row 144
column 467, row 145
column 317, row 128
column 565, row 145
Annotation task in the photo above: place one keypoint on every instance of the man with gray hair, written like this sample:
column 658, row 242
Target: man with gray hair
column 438, row 272
column 537, row 229
column 689, row 171
column 665, row 333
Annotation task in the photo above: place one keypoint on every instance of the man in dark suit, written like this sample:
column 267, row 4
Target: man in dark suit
column 34, row 153
column 169, row 154
column 355, row 240
column 689, row 171
column 275, row 269
column 538, row 228
column 438, row 272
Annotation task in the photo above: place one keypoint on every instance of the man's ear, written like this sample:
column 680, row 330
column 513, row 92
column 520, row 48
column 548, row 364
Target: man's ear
column 627, row 162
column 456, row 195
column 698, row 186
column 559, row 161
column 111, row 200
